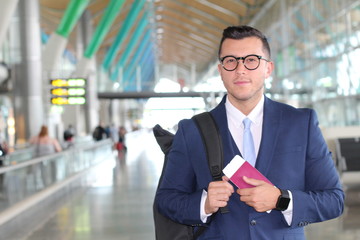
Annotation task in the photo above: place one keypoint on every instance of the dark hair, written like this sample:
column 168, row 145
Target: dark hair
column 241, row 32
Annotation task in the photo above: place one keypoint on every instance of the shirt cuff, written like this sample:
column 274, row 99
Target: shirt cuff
column 288, row 213
column 203, row 215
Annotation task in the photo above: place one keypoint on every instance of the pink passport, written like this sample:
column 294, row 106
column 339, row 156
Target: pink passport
column 237, row 168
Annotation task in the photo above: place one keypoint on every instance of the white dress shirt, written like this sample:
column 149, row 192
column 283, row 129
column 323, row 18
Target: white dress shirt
column 235, row 123
column 236, row 127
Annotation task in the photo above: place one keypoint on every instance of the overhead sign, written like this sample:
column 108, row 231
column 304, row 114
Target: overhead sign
column 71, row 91
column 70, row 82
column 68, row 91
column 68, row 100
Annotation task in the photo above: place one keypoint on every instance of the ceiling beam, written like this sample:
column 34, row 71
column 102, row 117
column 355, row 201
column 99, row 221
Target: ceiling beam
column 184, row 29
column 136, row 95
column 229, row 19
column 196, row 27
column 193, row 14
column 236, row 7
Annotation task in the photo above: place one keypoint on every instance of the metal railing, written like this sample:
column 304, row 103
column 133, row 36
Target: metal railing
column 27, row 178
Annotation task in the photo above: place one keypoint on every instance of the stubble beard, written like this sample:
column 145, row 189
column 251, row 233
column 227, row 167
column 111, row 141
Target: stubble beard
column 239, row 96
column 246, row 99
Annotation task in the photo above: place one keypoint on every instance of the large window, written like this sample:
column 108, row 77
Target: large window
column 315, row 47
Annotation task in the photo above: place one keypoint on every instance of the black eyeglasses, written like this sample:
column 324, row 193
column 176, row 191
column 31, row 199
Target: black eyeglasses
column 251, row 62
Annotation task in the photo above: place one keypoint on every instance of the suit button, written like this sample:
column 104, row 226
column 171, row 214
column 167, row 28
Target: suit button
column 253, row 222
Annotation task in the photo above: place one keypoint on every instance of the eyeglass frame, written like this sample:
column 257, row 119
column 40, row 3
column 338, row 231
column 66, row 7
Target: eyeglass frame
column 243, row 61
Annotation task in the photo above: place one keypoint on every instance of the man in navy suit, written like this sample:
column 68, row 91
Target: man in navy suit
column 290, row 151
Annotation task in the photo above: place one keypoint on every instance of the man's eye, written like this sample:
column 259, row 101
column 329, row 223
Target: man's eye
column 230, row 60
column 250, row 60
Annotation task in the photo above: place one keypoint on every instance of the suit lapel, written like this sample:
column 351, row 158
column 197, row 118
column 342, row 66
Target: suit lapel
column 271, row 124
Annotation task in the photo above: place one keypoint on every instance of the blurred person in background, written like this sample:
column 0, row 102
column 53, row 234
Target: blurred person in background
column 44, row 144
column 114, row 133
column 99, row 133
column 121, row 143
column 69, row 135
column 4, row 148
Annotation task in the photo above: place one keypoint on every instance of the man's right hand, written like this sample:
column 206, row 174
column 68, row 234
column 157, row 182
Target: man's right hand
column 218, row 195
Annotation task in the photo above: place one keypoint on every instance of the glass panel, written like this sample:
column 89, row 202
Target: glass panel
column 24, row 179
column 315, row 46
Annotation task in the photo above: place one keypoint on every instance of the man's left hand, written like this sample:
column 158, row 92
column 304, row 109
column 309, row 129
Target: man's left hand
column 262, row 197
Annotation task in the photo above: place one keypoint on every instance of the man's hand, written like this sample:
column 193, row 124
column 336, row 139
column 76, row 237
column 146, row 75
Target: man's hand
column 262, row 197
column 218, row 195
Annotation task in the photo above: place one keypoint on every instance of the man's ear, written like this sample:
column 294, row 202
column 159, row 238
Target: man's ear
column 219, row 68
column 269, row 69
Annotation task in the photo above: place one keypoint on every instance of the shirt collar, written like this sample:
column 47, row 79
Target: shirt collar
column 236, row 116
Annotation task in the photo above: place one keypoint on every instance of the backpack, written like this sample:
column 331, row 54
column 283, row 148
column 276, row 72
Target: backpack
column 165, row 228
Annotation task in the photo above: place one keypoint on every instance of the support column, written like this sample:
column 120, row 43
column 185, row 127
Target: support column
column 88, row 69
column 28, row 103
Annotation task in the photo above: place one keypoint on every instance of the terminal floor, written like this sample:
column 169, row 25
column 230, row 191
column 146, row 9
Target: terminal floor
column 119, row 204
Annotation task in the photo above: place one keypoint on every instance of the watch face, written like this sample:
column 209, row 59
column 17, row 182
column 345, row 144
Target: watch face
column 283, row 203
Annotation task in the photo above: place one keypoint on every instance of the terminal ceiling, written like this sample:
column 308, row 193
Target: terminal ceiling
column 185, row 34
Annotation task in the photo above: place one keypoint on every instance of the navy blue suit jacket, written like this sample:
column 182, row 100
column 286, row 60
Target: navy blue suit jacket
column 293, row 155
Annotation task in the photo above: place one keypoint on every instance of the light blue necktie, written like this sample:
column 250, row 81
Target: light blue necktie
column 248, row 143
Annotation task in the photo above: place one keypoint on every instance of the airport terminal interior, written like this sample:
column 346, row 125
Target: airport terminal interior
column 97, row 75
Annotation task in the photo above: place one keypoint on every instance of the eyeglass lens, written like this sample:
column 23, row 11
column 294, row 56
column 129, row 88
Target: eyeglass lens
column 230, row 63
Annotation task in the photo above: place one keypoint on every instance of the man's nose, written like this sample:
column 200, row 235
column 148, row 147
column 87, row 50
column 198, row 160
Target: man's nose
column 241, row 66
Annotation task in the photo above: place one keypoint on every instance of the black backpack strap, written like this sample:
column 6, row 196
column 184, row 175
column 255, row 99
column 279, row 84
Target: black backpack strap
column 214, row 148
